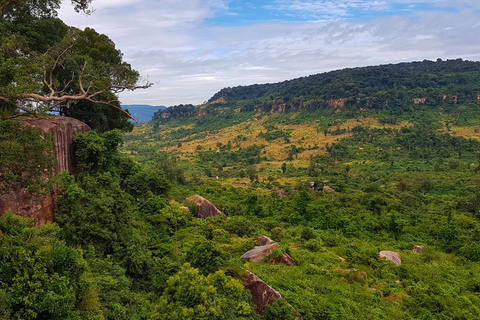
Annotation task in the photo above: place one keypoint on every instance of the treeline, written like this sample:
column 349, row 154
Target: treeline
column 395, row 87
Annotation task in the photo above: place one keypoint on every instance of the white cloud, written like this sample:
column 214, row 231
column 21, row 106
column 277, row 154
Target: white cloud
column 168, row 43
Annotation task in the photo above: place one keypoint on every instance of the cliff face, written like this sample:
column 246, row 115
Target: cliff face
column 62, row 129
column 41, row 207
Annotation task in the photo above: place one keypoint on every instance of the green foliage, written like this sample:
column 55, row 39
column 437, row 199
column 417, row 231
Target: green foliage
column 40, row 54
column 170, row 219
column 143, row 181
column 207, row 257
column 279, row 310
column 271, row 135
column 190, row 295
column 96, row 152
column 40, row 277
column 94, row 211
column 27, row 155
column 14, row 225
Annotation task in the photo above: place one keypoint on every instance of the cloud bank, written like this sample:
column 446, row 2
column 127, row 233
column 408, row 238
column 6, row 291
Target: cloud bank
column 193, row 48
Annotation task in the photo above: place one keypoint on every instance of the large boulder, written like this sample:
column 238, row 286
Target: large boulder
column 258, row 253
column 263, row 240
column 263, row 295
column 391, row 256
column 205, row 208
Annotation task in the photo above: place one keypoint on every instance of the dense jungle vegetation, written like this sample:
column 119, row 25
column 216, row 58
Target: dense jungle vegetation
column 334, row 168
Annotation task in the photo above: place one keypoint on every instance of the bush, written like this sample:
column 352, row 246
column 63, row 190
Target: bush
column 206, row 256
column 279, row 310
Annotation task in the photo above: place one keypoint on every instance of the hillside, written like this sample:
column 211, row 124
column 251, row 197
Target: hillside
column 341, row 180
column 390, row 89
column 372, row 213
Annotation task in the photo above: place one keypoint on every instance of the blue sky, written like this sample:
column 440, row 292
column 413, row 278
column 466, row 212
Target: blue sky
column 240, row 12
column 191, row 49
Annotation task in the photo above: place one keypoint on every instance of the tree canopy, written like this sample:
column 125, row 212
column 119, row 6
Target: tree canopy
column 45, row 65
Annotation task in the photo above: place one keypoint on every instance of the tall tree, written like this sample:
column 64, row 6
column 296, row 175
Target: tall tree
column 44, row 64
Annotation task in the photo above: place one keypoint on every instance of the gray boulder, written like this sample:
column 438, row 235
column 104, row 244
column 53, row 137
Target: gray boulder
column 392, row 256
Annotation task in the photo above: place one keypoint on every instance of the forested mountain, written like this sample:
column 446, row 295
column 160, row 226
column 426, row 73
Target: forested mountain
column 394, row 88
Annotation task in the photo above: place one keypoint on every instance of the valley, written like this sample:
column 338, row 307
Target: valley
column 159, row 220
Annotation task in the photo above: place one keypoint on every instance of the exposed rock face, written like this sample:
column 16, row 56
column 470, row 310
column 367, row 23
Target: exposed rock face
column 41, row 207
column 418, row 249
column 23, row 204
column 419, row 100
column 448, row 98
column 262, row 294
column 205, row 208
column 62, row 129
column 391, row 256
column 336, row 102
column 258, row 253
column 283, row 258
column 263, row 240
column 186, row 209
column 281, row 193
column 278, row 108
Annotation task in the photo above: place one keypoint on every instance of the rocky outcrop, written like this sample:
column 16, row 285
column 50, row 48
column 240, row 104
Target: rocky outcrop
column 280, row 192
column 62, row 129
column 418, row 249
column 278, row 108
column 391, row 256
column 283, row 259
column 41, row 207
column 419, row 100
column 263, row 240
column 263, row 295
column 449, row 98
column 258, row 253
column 205, row 208
column 336, row 102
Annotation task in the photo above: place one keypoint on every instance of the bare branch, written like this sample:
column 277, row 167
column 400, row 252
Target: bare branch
column 49, row 84
column 57, row 100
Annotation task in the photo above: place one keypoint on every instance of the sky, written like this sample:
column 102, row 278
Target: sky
column 191, row 49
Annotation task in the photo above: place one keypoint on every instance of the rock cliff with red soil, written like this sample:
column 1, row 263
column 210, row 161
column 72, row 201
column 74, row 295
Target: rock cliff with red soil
column 62, row 129
column 41, row 207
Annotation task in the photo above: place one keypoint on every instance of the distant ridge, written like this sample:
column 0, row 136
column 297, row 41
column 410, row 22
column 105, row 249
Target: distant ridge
column 395, row 88
column 142, row 112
